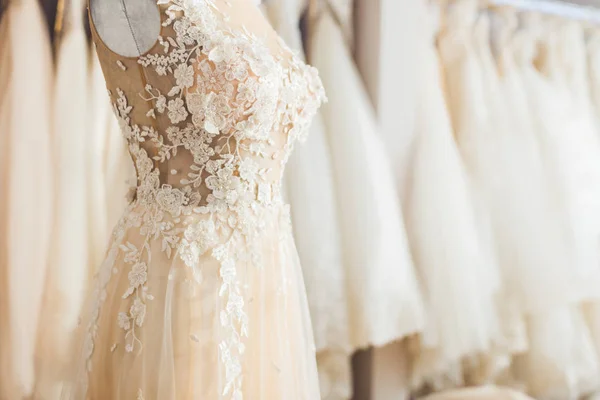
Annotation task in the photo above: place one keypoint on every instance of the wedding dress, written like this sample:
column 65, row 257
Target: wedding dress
column 534, row 258
column 201, row 293
column 561, row 361
column 481, row 153
column 69, row 258
column 384, row 299
column 119, row 171
column 25, row 189
column 310, row 189
column 444, row 237
column 389, row 50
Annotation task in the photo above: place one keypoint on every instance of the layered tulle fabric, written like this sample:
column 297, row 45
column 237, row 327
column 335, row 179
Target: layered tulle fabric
column 383, row 294
column 26, row 194
column 448, row 249
column 201, row 294
column 561, row 361
column 176, row 352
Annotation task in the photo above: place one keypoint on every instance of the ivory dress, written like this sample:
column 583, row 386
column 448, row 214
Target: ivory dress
column 384, row 297
column 69, row 262
column 561, row 361
column 25, row 189
column 441, row 219
column 201, row 294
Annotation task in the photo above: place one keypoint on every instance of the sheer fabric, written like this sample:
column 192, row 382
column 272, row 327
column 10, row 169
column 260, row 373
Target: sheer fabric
column 313, row 200
column 561, row 360
column 25, row 189
column 443, row 228
column 201, row 293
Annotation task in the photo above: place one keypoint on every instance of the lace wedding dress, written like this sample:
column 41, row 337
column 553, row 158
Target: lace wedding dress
column 201, row 294
column 25, row 189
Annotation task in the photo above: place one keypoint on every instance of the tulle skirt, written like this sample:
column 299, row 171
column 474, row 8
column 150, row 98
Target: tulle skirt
column 384, row 297
column 227, row 328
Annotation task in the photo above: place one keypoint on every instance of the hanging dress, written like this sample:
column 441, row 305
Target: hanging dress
column 480, row 152
column 384, row 298
column 311, row 193
column 561, row 361
column 26, row 214
column 69, row 258
column 529, row 241
column 444, row 237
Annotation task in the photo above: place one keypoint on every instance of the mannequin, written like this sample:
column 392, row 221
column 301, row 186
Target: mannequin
column 129, row 30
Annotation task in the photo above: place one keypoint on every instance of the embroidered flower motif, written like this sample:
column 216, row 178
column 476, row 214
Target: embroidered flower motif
column 161, row 103
column 247, row 91
column 177, row 111
column 138, row 312
column 216, row 109
column 124, row 321
column 210, row 79
column 184, row 75
column 138, row 275
column 170, row 200
column 248, row 169
column 228, row 95
column 224, row 52
column 195, row 102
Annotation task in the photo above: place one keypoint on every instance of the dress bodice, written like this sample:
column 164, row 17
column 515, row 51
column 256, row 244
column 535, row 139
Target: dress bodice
column 212, row 111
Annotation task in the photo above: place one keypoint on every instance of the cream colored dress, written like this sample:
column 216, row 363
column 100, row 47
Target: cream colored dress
column 201, row 294
column 25, row 189
column 561, row 361
column 442, row 219
column 384, row 298
column 69, row 263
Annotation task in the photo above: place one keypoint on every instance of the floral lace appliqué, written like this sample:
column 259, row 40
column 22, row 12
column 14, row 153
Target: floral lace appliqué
column 220, row 100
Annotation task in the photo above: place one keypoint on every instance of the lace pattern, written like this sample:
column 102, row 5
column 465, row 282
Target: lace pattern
column 226, row 111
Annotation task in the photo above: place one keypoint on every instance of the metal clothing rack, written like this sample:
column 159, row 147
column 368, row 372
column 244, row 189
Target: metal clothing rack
column 581, row 10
